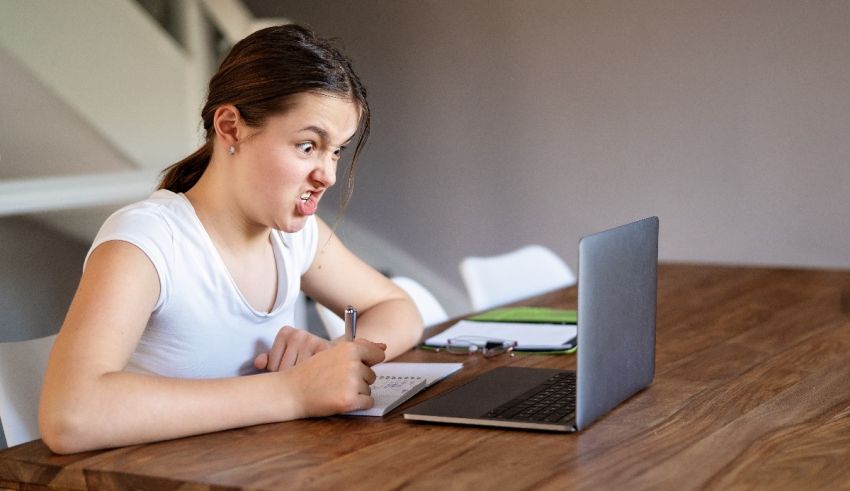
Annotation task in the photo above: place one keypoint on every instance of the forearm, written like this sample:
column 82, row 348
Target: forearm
column 394, row 322
column 122, row 408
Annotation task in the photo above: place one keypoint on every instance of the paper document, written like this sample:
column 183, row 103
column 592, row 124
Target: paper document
column 527, row 336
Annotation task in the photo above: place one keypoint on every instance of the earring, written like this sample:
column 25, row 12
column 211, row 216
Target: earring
column 231, row 150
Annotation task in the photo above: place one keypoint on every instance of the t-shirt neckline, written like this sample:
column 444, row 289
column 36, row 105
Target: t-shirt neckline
column 278, row 257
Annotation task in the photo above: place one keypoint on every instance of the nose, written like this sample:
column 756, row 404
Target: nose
column 325, row 172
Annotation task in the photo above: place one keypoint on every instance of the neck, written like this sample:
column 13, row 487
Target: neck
column 222, row 216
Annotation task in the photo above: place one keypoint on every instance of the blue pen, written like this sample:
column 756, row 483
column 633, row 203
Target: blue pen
column 350, row 323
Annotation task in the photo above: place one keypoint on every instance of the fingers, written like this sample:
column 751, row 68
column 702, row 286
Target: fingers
column 371, row 353
column 294, row 346
column 364, row 384
column 291, row 346
column 363, row 397
column 364, row 402
column 290, row 356
column 370, row 344
column 369, row 377
column 261, row 361
column 277, row 350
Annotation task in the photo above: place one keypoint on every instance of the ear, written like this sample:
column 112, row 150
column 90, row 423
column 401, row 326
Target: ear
column 226, row 124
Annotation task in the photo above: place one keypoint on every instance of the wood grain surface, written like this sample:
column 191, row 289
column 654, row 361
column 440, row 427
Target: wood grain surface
column 752, row 391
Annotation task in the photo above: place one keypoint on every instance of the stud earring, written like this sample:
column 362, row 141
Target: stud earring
column 231, row 150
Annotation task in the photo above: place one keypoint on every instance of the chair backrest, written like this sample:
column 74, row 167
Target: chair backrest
column 429, row 307
column 22, row 367
column 334, row 325
column 505, row 278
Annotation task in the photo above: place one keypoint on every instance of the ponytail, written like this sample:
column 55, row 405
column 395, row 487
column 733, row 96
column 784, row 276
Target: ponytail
column 180, row 177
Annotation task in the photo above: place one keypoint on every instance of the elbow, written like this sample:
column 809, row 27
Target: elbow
column 63, row 431
column 417, row 326
column 418, row 331
column 413, row 334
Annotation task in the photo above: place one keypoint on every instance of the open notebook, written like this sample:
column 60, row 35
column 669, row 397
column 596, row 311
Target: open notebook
column 398, row 382
column 388, row 392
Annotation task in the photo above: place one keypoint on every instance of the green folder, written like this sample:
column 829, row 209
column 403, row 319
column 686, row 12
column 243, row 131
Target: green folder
column 532, row 315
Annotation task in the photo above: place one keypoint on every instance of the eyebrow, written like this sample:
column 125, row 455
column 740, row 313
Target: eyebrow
column 323, row 134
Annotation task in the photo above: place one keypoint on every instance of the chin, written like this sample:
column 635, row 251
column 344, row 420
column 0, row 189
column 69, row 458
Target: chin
column 292, row 225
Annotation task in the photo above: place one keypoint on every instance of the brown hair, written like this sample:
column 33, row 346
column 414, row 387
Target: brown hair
column 260, row 76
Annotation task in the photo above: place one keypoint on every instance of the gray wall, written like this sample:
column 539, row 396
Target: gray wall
column 499, row 123
column 39, row 272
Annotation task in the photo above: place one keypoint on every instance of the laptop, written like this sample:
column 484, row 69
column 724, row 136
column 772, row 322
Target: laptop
column 616, row 347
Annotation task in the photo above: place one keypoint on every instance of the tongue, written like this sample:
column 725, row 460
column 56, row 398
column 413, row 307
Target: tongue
column 307, row 207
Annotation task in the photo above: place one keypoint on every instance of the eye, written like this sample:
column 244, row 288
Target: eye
column 338, row 151
column 306, row 147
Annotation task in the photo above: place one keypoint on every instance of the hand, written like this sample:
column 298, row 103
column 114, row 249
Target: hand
column 291, row 347
column 336, row 380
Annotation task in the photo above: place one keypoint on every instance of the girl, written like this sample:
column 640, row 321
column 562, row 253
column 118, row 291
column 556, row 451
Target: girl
column 184, row 293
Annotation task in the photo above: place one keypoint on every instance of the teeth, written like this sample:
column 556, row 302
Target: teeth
column 306, row 196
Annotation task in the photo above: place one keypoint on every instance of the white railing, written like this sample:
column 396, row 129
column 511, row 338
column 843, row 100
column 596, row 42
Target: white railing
column 121, row 73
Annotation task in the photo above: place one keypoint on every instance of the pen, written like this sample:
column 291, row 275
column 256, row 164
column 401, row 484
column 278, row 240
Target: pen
column 350, row 323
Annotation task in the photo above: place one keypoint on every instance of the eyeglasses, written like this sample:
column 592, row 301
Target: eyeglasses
column 488, row 347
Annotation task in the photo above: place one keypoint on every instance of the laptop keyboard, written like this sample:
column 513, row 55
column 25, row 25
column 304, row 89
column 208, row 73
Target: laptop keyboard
column 552, row 401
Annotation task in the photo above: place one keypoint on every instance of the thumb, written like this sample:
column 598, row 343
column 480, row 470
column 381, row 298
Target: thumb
column 261, row 361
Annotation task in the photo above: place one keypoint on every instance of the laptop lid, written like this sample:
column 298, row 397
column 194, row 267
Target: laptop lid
column 616, row 316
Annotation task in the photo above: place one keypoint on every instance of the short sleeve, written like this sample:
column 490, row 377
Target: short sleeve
column 146, row 228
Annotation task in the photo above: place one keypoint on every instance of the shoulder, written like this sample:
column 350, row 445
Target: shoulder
column 147, row 227
column 150, row 224
column 158, row 213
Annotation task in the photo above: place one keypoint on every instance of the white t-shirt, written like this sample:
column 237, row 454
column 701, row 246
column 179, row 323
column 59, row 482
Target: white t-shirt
column 202, row 326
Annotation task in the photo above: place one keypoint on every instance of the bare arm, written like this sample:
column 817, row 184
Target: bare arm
column 338, row 278
column 89, row 402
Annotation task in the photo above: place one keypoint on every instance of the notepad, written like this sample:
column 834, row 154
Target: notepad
column 432, row 372
column 398, row 382
column 389, row 391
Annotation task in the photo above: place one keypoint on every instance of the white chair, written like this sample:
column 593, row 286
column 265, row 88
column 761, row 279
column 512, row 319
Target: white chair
column 505, row 278
column 22, row 367
column 429, row 307
column 334, row 325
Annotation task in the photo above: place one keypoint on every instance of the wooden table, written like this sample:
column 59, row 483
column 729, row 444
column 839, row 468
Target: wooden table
column 752, row 390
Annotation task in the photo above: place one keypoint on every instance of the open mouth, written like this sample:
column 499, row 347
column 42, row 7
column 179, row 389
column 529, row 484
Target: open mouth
column 309, row 203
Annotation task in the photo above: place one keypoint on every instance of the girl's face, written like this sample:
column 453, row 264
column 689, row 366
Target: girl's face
column 286, row 165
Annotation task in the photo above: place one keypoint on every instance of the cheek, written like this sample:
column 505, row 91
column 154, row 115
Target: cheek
column 275, row 175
